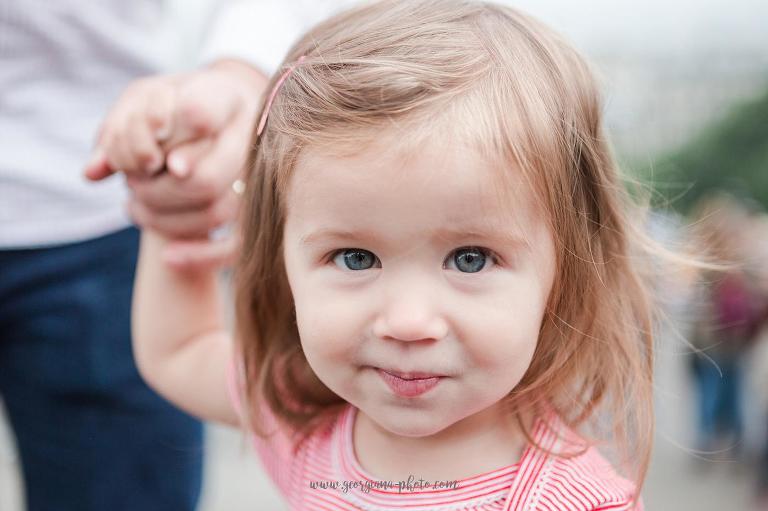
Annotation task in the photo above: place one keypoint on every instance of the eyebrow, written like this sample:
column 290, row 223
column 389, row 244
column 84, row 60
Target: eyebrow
column 495, row 236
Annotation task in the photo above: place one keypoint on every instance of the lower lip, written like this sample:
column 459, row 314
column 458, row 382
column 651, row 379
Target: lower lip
column 408, row 388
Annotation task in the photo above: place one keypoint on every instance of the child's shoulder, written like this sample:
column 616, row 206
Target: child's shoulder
column 291, row 458
column 588, row 482
column 581, row 480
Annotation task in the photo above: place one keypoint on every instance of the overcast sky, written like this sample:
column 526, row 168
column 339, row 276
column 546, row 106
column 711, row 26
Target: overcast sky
column 674, row 26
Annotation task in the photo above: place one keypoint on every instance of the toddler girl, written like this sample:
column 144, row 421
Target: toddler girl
column 437, row 304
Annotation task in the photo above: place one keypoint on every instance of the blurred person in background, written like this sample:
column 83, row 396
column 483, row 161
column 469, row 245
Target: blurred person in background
column 727, row 314
column 90, row 434
column 757, row 361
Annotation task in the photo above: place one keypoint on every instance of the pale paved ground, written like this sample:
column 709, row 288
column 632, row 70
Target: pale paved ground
column 235, row 481
column 678, row 478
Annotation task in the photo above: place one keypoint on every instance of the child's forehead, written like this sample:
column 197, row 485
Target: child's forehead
column 448, row 170
column 440, row 183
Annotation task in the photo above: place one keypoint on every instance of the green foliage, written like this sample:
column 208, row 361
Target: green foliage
column 731, row 154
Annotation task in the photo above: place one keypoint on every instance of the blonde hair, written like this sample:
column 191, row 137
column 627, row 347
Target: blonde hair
column 500, row 81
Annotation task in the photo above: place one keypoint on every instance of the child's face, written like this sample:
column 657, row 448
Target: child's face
column 412, row 263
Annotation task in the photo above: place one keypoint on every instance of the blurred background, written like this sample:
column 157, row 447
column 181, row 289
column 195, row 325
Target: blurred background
column 686, row 98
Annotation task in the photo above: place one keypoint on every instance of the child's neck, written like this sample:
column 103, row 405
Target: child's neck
column 481, row 443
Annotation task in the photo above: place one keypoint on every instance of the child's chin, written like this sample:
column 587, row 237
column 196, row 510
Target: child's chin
column 406, row 422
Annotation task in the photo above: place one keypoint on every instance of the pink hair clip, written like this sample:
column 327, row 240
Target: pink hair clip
column 275, row 89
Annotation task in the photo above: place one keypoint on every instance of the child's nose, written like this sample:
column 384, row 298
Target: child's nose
column 410, row 317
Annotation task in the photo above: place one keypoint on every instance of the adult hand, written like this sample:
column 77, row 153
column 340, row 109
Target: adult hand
column 197, row 126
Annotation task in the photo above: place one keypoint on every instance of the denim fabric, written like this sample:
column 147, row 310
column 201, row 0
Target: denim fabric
column 720, row 396
column 91, row 435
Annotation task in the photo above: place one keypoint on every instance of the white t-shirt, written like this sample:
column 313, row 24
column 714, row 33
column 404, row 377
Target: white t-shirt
column 64, row 63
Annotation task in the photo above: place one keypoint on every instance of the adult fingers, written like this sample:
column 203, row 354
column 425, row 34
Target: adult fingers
column 104, row 160
column 148, row 124
column 97, row 168
column 141, row 152
column 219, row 167
column 167, row 192
column 202, row 254
column 160, row 109
column 210, row 166
column 115, row 135
column 130, row 134
column 184, row 158
column 185, row 224
column 114, row 146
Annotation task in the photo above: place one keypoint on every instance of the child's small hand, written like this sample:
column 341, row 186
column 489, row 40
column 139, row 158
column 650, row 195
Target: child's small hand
column 196, row 126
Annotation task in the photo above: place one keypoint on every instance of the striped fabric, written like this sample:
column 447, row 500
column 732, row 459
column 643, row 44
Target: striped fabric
column 325, row 475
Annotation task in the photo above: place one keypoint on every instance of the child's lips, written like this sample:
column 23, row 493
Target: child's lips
column 411, row 375
column 409, row 384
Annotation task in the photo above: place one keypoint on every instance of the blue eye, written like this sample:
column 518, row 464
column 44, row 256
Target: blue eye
column 470, row 259
column 354, row 259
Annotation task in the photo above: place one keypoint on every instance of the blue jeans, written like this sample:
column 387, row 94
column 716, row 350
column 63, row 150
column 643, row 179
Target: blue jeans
column 90, row 434
column 719, row 398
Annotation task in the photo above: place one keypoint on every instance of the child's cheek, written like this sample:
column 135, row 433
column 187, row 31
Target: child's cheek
column 502, row 329
column 330, row 342
column 328, row 326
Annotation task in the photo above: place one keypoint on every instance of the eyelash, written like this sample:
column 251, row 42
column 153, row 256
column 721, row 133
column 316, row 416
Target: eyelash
column 485, row 251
